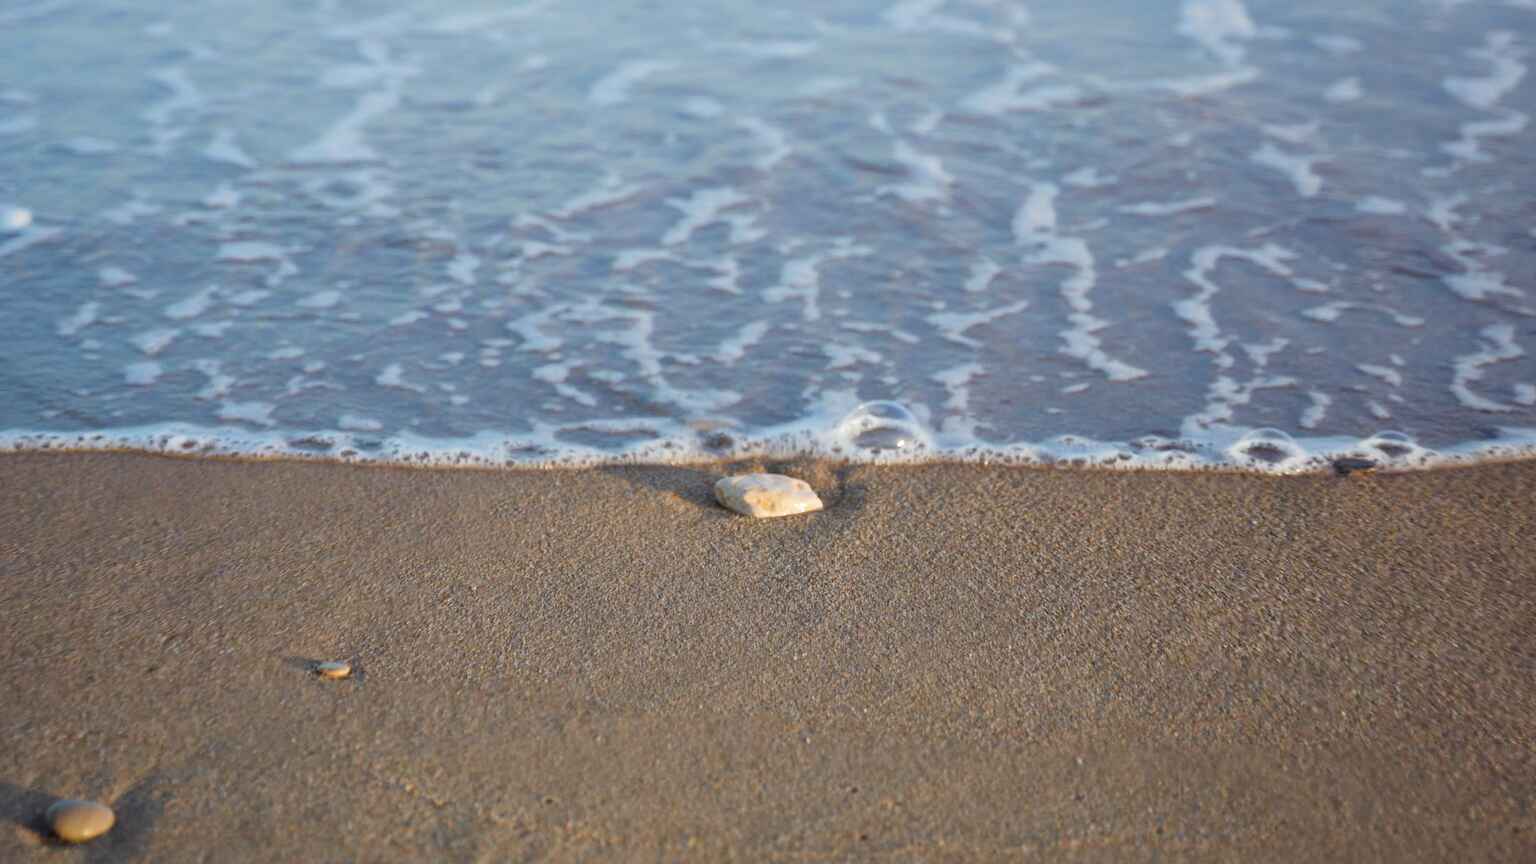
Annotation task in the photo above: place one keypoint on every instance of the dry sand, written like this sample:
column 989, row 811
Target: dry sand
column 948, row 664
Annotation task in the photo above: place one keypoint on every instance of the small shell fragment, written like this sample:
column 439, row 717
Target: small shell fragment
column 334, row 669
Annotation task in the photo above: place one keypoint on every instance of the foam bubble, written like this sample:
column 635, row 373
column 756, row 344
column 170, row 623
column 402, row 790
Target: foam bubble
column 1267, row 446
column 881, row 427
column 614, row 88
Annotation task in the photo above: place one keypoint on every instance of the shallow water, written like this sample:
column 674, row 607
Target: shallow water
column 1171, row 233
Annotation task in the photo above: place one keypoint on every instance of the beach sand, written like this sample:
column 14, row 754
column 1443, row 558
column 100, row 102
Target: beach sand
column 950, row 663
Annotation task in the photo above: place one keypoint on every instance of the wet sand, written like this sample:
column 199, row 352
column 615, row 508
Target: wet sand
column 948, row 664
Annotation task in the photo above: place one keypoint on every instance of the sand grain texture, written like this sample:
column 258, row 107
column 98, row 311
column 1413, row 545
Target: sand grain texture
column 948, row 664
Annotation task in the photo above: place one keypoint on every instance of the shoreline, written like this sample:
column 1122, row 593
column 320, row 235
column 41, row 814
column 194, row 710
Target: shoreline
column 951, row 662
column 1243, row 450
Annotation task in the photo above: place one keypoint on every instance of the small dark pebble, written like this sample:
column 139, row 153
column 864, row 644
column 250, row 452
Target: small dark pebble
column 1349, row 465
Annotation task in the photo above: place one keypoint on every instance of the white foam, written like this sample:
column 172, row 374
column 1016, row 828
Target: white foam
column 249, row 297
column 1344, row 90
column 479, row 22
column 957, row 380
column 735, row 347
column 911, row 15
column 1013, row 93
column 775, row 142
column 1168, row 208
column 1385, row 373
column 1381, row 206
column 800, row 278
column 1220, row 26
column 256, row 252
column 1037, row 215
column 929, row 181
column 774, row 49
column 1498, row 346
column 130, row 211
column 843, row 356
column 1313, row 416
column 1297, row 168
column 703, row 207
column 882, row 329
column 183, row 97
column 1468, row 146
column 115, row 277
column 885, row 433
column 142, row 374
column 1196, row 311
column 224, row 197
column 152, row 342
column 83, row 317
column 1291, row 133
column 1089, row 178
column 258, row 413
column 218, row 385
column 636, row 343
column 1501, row 53
column 191, row 306
column 983, row 271
column 1259, row 353
column 612, row 190
column 614, row 88
column 212, row 330
column 555, row 374
column 320, row 300
column 393, row 375
column 224, row 149
column 1442, row 212
column 358, row 423
column 529, row 329
column 923, row 16
column 953, row 325
column 343, row 142
column 1034, row 226
column 462, row 268
column 1478, row 281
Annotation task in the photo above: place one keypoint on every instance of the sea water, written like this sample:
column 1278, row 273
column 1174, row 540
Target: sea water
column 1128, row 232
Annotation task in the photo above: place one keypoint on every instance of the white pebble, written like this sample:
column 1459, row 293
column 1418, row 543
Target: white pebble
column 764, row 495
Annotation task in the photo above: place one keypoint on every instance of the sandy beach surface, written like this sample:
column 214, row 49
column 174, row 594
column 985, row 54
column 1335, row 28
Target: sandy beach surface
column 950, row 663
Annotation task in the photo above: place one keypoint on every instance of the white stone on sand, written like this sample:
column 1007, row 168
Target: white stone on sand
column 763, row 495
column 80, row 821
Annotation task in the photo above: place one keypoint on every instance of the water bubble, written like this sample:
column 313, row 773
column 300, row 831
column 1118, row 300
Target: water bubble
column 1391, row 443
column 1268, row 446
column 883, row 426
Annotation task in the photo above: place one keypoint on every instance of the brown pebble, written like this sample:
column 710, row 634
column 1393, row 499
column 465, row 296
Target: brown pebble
column 333, row 669
column 80, row 821
column 1347, row 465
